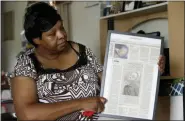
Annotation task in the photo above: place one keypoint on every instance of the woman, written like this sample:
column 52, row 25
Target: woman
column 58, row 78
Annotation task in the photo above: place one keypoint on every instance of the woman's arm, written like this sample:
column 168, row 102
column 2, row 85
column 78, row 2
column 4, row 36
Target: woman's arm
column 27, row 107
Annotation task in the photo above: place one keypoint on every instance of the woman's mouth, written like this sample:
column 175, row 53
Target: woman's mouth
column 62, row 43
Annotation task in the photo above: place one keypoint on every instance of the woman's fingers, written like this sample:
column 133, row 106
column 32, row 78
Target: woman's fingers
column 101, row 105
column 161, row 63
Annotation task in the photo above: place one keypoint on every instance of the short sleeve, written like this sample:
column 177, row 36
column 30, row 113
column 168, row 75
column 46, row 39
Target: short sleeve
column 92, row 59
column 25, row 67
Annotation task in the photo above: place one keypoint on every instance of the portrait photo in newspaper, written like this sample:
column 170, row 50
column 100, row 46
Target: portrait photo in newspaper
column 131, row 77
column 132, row 82
column 121, row 51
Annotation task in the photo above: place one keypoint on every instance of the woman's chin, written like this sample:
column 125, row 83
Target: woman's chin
column 60, row 48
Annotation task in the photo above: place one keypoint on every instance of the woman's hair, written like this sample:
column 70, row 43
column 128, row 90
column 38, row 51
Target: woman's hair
column 39, row 17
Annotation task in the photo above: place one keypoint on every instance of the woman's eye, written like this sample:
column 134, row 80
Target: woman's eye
column 52, row 34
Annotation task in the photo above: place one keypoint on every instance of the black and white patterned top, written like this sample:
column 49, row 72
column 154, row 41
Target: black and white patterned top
column 54, row 85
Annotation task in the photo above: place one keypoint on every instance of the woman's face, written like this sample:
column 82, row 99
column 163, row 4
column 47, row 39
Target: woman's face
column 55, row 39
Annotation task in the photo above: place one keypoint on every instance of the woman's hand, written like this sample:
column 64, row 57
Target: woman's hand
column 95, row 104
column 161, row 63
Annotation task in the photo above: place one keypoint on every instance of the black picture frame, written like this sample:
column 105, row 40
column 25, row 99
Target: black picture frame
column 150, row 3
column 131, row 5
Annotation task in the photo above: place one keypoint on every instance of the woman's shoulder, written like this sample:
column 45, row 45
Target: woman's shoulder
column 24, row 54
column 24, row 65
column 77, row 43
column 79, row 46
column 84, row 49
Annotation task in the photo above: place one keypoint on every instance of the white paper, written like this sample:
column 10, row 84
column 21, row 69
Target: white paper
column 131, row 76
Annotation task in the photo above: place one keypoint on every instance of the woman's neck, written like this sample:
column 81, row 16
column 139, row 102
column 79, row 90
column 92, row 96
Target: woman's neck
column 49, row 54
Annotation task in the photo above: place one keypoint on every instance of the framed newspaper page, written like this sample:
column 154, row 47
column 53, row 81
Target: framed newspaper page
column 131, row 77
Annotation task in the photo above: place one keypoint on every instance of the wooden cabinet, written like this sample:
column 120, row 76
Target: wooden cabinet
column 173, row 11
column 176, row 38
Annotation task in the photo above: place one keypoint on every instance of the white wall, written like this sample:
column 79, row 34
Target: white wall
column 11, row 48
column 84, row 25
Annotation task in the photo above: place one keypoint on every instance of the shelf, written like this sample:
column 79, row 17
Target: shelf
column 138, row 12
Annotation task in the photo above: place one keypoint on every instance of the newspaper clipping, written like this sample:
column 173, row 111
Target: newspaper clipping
column 131, row 76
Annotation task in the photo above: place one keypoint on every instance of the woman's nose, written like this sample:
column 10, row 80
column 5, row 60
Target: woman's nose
column 61, row 34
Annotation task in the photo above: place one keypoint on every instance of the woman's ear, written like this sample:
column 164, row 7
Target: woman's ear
column 37, row 41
